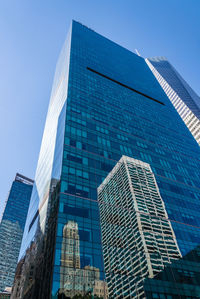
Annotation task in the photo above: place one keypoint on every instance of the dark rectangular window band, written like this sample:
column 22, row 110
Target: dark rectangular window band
column 33, row 220
column 124, row 85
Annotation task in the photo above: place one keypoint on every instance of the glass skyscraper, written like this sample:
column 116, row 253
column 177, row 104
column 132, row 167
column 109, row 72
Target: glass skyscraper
column 184, row 99
column 12, row 227
column 106, row 103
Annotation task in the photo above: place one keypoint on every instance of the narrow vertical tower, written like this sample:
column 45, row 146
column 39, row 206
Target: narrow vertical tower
column 12, row 226
column 184, row 99
column 138, row 239
column 70, row 246
column 70, row 258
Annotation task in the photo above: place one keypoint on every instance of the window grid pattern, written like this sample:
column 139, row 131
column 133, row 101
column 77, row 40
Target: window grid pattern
column 138, row 239
column 180, row 98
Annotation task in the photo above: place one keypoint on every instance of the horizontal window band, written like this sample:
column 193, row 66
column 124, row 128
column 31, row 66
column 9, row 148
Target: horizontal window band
column 126, row 86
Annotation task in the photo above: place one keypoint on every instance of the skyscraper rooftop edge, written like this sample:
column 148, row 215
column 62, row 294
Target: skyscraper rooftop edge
column 149, row 88
column 109, row 39
column 122, row 159
column 164, row 58
column 158, row 58
column 24, row 179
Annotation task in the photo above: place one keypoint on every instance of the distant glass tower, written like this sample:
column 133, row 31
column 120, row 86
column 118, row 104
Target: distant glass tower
column 135, row 221
column 12, row 227
column 184, row 99
column 105, row 103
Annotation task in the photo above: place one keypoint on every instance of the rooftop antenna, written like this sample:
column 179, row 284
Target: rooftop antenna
column 136, row 51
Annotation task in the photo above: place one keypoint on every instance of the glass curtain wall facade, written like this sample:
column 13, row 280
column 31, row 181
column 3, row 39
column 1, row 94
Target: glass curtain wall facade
column 184, row 99
column 112, row 105
column 12, row 227
column 46, row 175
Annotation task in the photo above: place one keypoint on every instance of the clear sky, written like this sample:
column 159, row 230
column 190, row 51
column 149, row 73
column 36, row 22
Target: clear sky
column 31, row 35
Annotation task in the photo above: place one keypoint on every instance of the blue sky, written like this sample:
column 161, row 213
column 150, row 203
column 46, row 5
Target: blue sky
column 31, row 35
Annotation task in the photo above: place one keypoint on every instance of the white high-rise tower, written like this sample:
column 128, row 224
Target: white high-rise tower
column 137, row 236
column 184, row 99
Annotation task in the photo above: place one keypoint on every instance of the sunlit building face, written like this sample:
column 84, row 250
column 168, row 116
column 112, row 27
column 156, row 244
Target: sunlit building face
column 106, row 103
